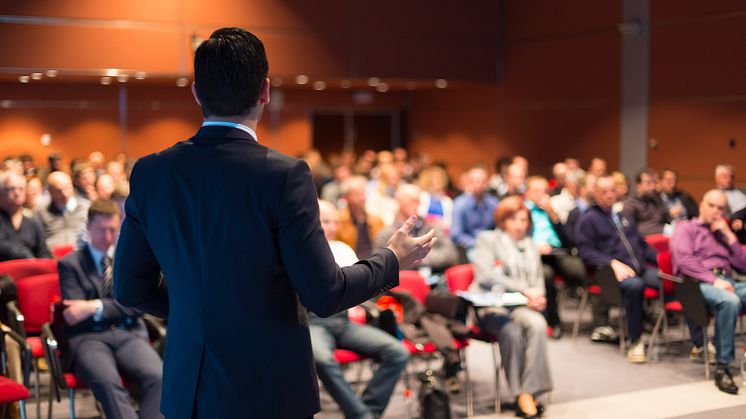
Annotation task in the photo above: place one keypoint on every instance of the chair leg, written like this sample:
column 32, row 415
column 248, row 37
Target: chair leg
column 37, row 392
column 707, row 355
column 72, row 404
column 469, row 390
column 497, row 377
column 622, row 331
column 22, row 408
column 656, row 328
column 579, row 315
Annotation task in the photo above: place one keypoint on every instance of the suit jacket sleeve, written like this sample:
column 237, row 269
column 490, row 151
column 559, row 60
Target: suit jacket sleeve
column 138, row 282
column 322, row 286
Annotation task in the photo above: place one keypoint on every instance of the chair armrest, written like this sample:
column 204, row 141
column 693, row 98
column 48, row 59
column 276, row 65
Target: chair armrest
column 49, row 343
column 16, row 319
column 670, row 277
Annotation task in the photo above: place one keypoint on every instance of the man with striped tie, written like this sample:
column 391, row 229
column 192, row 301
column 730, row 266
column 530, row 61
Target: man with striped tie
column 112, row 337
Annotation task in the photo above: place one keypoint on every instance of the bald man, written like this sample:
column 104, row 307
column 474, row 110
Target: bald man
column 21, row 237
column 706, row 249
column 65, row 216
column 328, row 334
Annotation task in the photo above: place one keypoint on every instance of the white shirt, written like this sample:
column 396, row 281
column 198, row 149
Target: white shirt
column 232, row 125
column 343, row 253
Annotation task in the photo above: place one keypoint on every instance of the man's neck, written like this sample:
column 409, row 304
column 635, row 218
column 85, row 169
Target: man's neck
column 247, row 120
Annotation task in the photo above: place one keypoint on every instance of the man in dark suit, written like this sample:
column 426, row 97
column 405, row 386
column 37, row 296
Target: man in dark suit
column 233, row 226
column 104, row 338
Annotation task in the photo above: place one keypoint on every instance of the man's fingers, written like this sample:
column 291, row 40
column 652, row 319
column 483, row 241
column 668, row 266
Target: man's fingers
column 425, row 238
column 408, row 225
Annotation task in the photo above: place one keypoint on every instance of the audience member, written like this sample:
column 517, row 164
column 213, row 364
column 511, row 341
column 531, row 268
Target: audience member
column 435, row 205
column 738, row 224
column 498, row 184
column 597, row 167
column 645, row 207
column 337, row 332
column 357, row 228
column 97, row 161
column 34, row 196
column 548, row 235
column 573, row 165
column 65, row 215
column 380, row 194
column 559, row 178
column 515, row 181
column 565, row 200
column 621, row 185
column 506, row 259
column 331, row 190
column 105, row 186
column 443, row 255
column 707, row 250
column 21, row 237
column 84, row 181
column 584, row 201
column 608, row 238
column 681, row 206
column 725, row 179
column 472, row 211
column 103, row 337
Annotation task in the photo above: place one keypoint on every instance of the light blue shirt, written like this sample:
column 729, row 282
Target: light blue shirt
column 232, row 125
column 542, row 225
column 98, row 257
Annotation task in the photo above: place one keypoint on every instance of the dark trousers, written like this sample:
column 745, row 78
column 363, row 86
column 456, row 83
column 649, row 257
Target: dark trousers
column 633, row 292
column 571, row 269
column 99, row 358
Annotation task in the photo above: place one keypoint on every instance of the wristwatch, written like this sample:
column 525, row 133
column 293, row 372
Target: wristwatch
column 99, row 314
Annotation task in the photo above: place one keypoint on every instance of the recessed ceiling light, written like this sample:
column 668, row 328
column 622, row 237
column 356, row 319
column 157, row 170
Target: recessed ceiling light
column 24, row 79
column 277, row 81
column 319, row 85
column 111, row 72
column 182, row 82
column 36, row 76
column 382, row 87
column 301, row 79
column 106, row 80
column 51, row 73
column 373, row 81
column 345, row 84
column 441, row 83
column 122, row 78
column 140, row 75
column 5, row 104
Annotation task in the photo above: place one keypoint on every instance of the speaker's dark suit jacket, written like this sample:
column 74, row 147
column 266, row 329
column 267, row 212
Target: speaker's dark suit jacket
column 234, row 227
column 80, row 280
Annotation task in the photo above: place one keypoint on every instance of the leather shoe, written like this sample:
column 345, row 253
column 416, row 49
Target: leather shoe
column 724, row 381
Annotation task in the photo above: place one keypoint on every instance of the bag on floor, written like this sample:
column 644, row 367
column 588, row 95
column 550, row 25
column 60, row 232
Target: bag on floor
column 433, row 399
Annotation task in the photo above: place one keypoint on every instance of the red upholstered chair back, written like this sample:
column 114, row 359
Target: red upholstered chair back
column 35, row 296
column 460, row 277
column 664, row 264
column 62, row 250
column 658, row 242
column 414, row 283
column 19, row 269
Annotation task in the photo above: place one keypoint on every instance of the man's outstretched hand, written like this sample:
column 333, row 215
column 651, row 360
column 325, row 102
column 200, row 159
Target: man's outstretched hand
column 410, row 250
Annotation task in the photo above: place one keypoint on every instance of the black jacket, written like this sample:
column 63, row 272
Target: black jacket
column 234, row 227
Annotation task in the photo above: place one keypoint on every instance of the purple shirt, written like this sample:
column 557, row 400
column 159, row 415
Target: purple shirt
column 696, row 251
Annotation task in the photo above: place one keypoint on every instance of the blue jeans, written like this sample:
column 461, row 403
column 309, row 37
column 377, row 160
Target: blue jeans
column 633, row 298
column 338, row 332
column 726, row 306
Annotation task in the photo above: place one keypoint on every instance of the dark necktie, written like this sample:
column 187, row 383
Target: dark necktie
column 108, row 276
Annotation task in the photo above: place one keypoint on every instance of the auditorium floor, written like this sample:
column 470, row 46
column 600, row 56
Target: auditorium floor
column 591, row 381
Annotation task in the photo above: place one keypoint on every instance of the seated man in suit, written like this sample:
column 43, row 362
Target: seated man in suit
column 707, row 250
column 337, row 331
column 21, row 237
column 608, row 238
column 103, row 337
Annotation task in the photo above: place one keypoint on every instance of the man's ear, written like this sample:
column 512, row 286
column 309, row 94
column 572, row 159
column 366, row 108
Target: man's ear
column 196, row 97
column 264, row 92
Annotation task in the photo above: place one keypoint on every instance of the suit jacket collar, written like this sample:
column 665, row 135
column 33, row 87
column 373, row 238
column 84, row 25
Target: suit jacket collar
column 221, row 133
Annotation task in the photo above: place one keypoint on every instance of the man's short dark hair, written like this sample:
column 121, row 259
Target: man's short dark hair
column 229, row 70
column 646, row 171
column 102, row 207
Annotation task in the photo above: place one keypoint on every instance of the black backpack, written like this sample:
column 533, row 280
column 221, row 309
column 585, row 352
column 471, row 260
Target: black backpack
column 434, row 403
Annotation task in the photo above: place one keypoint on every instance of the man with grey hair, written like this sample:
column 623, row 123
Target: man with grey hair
column 565, row 201
column 706, row 249
column 21, row 237
column 725, row 179
column 65, row 215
